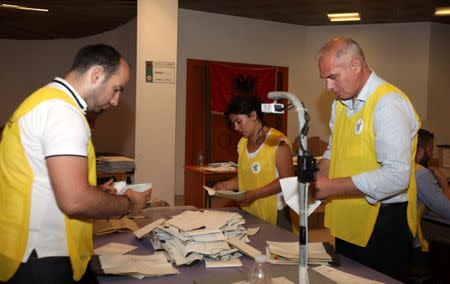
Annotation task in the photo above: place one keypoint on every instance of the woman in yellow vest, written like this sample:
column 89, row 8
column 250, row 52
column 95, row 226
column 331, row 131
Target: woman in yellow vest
column 265, row 156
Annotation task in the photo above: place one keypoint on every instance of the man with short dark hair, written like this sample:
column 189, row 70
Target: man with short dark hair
column 433, row 190
column 367, row 172
column 48, row 192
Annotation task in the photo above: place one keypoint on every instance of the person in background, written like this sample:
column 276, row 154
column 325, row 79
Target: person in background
column 366, row 175
column 433, row 190
column 265, row 156
column 48, row 192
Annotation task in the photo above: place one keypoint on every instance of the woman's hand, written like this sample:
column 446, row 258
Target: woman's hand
column 249, row 197
column 230, row 185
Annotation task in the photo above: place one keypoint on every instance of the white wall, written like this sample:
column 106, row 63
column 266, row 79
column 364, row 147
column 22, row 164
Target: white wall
column 157, row 22
column 30, row 64
column 226, row 38
column 439, row 85
column 396, row 52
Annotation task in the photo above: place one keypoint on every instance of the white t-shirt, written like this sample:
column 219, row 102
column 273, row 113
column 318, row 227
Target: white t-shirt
column 54, row 127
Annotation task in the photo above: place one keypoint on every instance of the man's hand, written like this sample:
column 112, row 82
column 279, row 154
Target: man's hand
column 319, row 188
column 325, row 187
column 108, row 187
column 140, row 200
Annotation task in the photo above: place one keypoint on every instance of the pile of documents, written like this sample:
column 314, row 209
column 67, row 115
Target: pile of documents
column 113, row 164
column 289, row 252
column 221, row 167
column 194, row 236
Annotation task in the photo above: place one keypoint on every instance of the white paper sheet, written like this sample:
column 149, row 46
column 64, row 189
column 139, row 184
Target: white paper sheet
column 122, row 186
column 148, row 228
column 342, row 277
column 234, row 262
column 289, row 187
column 114, row 249
column 245, row 248
column 235, row 195
column 252, row 231
column 137, row 265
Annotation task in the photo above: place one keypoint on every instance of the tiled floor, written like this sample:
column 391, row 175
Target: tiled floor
column 317, row 233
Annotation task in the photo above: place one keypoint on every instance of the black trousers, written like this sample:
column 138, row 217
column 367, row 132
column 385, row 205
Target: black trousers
column 388, row 248
column 49, row 270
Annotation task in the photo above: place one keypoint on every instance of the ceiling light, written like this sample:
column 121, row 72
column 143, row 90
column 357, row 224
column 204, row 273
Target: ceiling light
column 442, row 11
column 344, row 17
column 23, row 8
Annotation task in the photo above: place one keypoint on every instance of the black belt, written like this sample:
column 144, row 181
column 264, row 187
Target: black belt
column 396, row 204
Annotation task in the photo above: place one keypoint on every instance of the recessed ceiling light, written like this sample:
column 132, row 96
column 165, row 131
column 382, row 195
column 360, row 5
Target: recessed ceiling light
column 344, row 17
column 9, row 6
column 442, row 11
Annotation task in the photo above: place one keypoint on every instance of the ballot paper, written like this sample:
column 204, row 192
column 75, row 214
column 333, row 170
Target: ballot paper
column 103, row 226
column 245, row 248
column 148, row 228
column 342, row 277
column 114, row 249
column 137, row 265
column 195, row 236
column 235, row 195
column 252, row 231
column 221, row 167
column 234, row 262
column 288, row 253
column 289, row 187
column 122, row 186
column 192, row 220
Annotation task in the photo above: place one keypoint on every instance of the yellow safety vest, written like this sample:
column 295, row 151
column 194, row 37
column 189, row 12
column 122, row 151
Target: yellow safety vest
column 16, row 179
column 353, row 152
column 420, row 236
column 258, row 172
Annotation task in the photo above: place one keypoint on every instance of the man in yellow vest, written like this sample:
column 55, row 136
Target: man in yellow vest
column 48, row 192
column 367, row 172
column 433, row 193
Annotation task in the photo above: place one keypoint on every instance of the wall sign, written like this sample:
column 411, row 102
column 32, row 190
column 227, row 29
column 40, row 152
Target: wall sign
column 160, row 72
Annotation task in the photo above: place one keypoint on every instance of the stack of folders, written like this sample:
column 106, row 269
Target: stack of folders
column 113, row 164
column 195, row 236
column 288, row 253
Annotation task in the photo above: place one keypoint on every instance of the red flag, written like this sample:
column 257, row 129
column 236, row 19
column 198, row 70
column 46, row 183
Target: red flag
column 227, row 81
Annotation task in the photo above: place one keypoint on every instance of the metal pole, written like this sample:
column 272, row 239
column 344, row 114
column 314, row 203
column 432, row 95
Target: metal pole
column 302, row 187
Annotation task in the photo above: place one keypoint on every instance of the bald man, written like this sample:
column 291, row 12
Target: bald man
column 48, row 192
column 367, row 172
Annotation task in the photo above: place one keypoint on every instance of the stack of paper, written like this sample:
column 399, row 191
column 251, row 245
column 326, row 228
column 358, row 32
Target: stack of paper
column 221, row 167
column 288, row 253
column 113, row 164
column 199, row 235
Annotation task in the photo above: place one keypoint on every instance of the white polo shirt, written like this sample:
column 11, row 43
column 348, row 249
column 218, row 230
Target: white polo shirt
column 52, row 128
